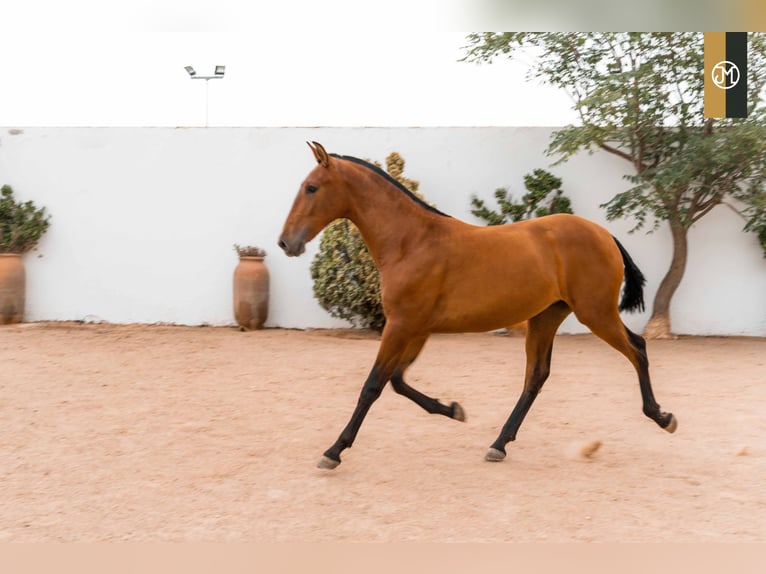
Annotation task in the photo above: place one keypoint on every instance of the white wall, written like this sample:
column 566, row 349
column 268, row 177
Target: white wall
column 144, row 219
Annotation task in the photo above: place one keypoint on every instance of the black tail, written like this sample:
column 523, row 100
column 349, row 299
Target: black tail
column 633, row 292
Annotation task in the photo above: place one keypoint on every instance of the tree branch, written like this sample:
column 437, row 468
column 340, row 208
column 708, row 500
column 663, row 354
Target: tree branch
column 616, row 151
column 705, row 207
column 734, row 209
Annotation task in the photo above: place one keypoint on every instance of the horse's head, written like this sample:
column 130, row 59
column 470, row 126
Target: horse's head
column 320, row 200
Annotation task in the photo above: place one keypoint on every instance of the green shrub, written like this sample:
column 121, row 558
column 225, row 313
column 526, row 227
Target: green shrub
column 21, row 224
column 544, row 197
column 346, row 282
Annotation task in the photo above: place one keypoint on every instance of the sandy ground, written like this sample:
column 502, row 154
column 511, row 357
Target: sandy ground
column 159, row 433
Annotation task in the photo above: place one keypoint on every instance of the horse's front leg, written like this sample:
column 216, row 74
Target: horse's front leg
column 392, row 346
column 433, row 406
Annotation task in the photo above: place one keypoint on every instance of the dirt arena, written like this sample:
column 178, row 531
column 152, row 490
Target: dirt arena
column 160, row 433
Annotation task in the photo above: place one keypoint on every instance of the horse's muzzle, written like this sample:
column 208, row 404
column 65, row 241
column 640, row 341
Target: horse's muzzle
column 292, row 249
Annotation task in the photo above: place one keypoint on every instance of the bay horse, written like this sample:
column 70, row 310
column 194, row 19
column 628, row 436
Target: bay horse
column 442, row 275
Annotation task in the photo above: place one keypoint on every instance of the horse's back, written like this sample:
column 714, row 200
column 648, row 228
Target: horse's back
column 559, row 226
column 570, row 239
column 554, row 239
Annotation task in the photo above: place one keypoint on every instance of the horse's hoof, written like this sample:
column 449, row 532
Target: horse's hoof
column 326, row 463
column 672, row 425
column 457, row 412
column 494, row 455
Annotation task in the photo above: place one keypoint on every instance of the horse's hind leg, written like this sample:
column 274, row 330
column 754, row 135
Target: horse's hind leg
column 433, row 406
column 651, row 408
column 541, row 329
column 611, row 329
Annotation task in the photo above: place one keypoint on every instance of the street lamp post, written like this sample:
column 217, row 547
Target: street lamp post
column 217, row 75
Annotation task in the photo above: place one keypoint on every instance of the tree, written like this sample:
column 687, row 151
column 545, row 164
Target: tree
column 639, row 96
column 540, row 184
column 346, row 281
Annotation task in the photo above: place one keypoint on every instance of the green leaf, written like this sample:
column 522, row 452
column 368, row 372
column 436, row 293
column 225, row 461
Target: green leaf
column 544, row 197
column 22, row 224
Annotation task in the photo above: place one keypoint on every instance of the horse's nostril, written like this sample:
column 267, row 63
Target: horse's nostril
column 282, row 245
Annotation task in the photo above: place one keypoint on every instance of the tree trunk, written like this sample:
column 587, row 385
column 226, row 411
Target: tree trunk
column 659, row 323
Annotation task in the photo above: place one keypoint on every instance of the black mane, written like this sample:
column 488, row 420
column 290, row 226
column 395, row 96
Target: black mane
column 390, row 179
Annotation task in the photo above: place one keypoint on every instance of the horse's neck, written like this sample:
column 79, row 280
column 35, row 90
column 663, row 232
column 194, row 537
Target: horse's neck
column 389, row 221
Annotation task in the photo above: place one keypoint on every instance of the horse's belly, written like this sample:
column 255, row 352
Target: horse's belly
column 482, row 311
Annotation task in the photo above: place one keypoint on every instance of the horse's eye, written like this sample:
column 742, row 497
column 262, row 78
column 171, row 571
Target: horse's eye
column 311, row 189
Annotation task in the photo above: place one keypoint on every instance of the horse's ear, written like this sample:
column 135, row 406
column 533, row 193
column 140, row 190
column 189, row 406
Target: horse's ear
column 320, row 154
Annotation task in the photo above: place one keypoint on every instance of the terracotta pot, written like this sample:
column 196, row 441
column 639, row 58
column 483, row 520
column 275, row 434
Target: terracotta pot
column 251, row 293
column 13, row 284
